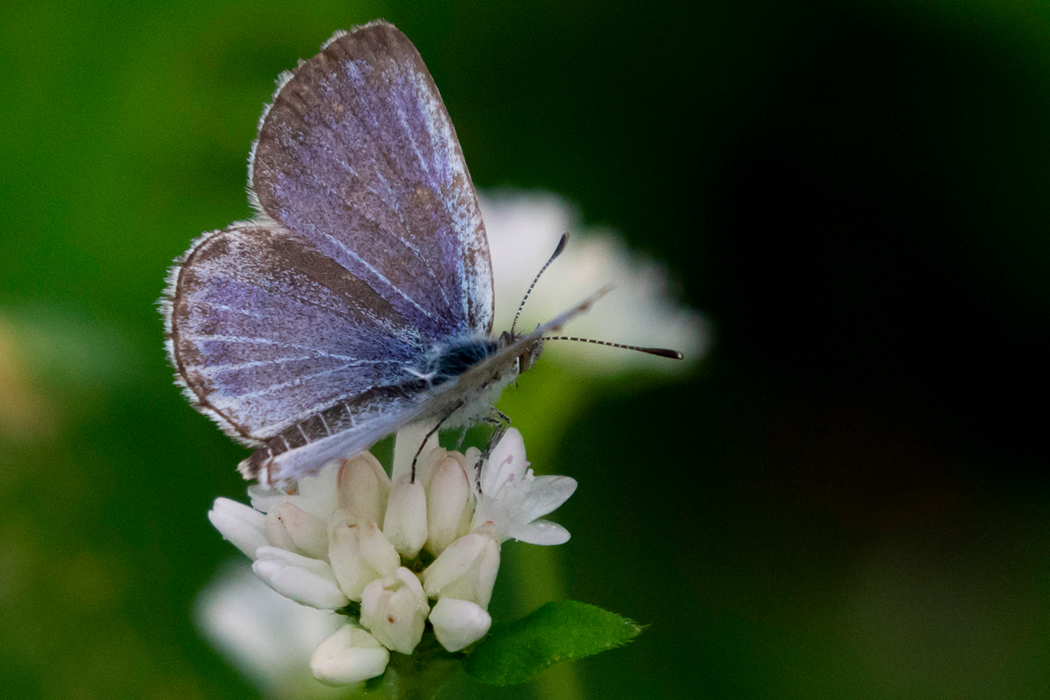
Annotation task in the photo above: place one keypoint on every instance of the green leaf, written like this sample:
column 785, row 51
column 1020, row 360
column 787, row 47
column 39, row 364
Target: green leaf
column 516, row 651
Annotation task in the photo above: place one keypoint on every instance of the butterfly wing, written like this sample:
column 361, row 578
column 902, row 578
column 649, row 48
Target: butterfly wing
column 368, row 249
column 265, row 331
column 358, row 155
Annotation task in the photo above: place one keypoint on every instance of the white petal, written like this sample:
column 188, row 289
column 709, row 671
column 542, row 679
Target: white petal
column 266, row 636
column 405, row 524
column 541, row 532
column 448, row 495
column 546, row 494
column 459, row 623
column 304, row 580
column 506, row 463
column 514, row 505
column 363, row 487
column 349, row 656
column 242, row 525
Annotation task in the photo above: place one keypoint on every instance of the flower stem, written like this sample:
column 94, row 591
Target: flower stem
column 420, row 675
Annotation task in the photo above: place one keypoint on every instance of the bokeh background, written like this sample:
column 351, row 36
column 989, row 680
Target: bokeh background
column 848, row 497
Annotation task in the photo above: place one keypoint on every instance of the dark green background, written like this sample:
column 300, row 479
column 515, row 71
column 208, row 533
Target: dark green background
column 849, row 498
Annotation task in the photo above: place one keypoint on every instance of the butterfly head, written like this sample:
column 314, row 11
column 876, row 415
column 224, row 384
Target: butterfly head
column 527, row 354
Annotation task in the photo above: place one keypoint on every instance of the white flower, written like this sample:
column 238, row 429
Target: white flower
column 395, row 610
column 349, row 656
column 523, row 229
column 466, row 570
column 319, row 543
column 512, row 498
column 459, row 623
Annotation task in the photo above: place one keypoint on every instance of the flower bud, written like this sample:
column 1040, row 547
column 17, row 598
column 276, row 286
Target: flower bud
column 363, row 488
column 308, row 581
column 407, row 445
column 448, row 496
column 459, row 623
column 466, row 570
column 277, row 533
column 241, row 525
column 307, row 531
column 350, row 655
column 405, row 524
column 318, row 493
column 395, row 612
column 360, row 554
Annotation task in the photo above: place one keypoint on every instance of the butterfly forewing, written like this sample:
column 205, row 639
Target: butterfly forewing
column 357, row 154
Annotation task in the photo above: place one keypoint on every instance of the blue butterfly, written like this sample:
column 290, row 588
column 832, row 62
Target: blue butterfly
column 359, row 299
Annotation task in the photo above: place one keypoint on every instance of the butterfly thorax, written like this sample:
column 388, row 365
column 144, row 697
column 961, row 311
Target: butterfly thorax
column 448, row 361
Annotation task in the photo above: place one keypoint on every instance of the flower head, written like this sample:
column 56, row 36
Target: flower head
column 349, row 539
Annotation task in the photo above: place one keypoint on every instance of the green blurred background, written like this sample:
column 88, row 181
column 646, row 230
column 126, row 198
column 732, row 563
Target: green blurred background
column 848, row 498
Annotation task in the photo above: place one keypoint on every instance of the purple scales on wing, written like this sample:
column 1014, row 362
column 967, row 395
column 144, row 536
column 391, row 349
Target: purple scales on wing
column 266, row 331
column 358, row 156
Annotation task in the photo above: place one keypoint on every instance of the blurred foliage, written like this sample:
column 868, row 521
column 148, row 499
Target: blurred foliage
column 849, row 500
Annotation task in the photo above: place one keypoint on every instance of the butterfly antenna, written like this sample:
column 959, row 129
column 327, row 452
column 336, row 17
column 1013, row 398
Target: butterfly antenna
column 659, row 352
column 557, row 252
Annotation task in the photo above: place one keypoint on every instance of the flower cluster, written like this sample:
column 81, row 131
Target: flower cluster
column 392, row 551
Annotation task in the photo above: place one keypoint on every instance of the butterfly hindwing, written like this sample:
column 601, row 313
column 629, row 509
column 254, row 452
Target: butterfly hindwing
column 264, row 331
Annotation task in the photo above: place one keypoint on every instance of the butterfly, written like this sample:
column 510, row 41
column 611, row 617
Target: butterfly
column 360, row 297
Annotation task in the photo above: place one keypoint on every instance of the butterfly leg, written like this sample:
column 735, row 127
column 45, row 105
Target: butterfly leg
column 456, row 407
column 502, row 423
column 504, row 418
column 462, row 437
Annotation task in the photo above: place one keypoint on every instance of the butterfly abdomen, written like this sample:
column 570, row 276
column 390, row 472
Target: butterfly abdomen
column 352, row 423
